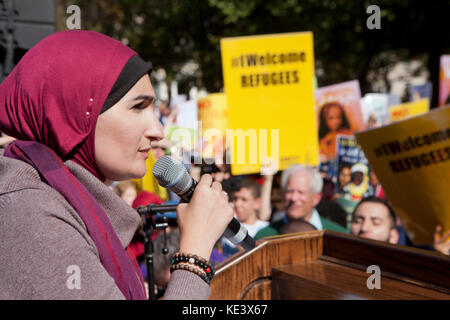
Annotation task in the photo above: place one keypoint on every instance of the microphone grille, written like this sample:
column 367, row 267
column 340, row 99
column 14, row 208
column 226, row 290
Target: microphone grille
column 171, row 174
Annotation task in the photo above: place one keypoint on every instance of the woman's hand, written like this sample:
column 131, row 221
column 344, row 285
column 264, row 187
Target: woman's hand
column 203, row 220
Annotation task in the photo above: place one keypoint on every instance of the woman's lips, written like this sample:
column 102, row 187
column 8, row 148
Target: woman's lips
column 145, row 152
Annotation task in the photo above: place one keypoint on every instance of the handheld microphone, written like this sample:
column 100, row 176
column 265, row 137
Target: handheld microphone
column 172, row 174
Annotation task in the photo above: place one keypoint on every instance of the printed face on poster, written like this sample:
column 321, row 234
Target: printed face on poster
column 338, row 112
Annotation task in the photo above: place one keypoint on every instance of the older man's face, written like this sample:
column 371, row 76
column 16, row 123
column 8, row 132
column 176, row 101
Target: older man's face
column 299, row 199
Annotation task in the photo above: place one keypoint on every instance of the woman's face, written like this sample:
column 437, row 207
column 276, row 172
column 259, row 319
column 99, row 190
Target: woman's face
column 124, row 132
column 333, row 118
column 345, row 176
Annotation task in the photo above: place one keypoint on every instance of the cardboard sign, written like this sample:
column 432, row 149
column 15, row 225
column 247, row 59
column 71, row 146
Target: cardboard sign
column 269, row 86
column 213, row 119
column 421, row 91
column 353, row 181
column 409, row 109
column 411, row 158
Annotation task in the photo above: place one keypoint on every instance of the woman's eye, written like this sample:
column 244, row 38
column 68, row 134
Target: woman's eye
column 139, row 106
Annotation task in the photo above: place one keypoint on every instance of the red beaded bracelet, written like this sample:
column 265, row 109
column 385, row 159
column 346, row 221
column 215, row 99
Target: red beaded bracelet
column 194, row 260
column 195, row 270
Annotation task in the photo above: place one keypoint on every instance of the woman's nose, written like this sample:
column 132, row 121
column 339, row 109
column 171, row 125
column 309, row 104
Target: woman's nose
column 154, row 130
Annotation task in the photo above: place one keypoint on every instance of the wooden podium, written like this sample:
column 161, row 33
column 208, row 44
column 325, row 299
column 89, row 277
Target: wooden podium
column 329, row 265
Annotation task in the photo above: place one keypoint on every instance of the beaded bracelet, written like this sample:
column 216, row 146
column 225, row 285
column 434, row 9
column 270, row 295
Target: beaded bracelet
column 196, row 261
column 182, row 266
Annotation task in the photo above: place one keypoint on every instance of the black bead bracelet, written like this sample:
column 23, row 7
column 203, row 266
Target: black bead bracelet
column 194, row 260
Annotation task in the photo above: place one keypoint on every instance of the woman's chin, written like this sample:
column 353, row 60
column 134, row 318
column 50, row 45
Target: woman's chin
column 132, row 173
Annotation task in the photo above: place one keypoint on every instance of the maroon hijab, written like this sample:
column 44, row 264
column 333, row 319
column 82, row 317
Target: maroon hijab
column 52, row 100
column 56, row 92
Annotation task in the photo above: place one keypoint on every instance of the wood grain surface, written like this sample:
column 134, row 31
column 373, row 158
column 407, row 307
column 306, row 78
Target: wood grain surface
column 330, row 265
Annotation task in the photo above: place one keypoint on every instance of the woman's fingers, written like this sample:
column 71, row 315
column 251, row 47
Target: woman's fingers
column 216, row 186
column 205, row 180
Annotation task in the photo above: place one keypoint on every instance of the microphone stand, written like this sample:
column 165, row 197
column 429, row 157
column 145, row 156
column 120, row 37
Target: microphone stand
column 149, row 227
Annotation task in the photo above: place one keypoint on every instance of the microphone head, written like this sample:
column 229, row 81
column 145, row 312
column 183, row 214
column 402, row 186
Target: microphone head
column 171, row 174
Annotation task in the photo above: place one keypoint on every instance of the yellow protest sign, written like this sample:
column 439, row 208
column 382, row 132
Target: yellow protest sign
column 149, row 183
column 269, row 86
column 411, row 158
column 409, row 109
column 213, row 122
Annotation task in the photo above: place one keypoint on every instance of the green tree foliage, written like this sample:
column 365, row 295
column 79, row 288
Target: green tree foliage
column 171, row 32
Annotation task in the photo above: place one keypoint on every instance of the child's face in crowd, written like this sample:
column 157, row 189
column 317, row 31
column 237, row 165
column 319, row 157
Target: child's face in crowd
column 245, row 205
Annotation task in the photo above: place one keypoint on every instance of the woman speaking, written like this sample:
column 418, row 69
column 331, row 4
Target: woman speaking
column 80, row 105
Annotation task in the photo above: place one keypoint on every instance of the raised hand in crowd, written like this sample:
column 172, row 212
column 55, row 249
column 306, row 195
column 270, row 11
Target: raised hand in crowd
column 441, row 243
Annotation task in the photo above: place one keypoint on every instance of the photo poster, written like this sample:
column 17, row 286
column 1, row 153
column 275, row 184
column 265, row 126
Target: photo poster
column 338, row 112
column 444, row 80
column 213, row 122
column 353, row 170
column 375, row 109
column 421, row 91
column 183, row 132
column 329, row 168
column 411, row 159
column 409, row 109
column 268, row 80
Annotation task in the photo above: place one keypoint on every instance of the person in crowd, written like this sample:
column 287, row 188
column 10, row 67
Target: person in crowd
column 296, row 226
column 159, row 148
column 375, row 219
column 302, row 188
column 377, row 188
column 246, row 203
column 268, row 171
column 127, row 190
column 136, row 246
column 161, row 260
column 333, row 121
column 84, row 116
column 327, row 207
column 164, row 111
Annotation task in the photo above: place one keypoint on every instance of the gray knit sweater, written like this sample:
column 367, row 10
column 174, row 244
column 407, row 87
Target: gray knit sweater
column 45, row 250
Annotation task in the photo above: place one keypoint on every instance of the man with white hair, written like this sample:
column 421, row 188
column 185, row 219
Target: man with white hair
column 302, row 189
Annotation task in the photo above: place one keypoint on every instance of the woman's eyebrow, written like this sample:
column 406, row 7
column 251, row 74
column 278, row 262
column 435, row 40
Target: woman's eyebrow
column 149, row 98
